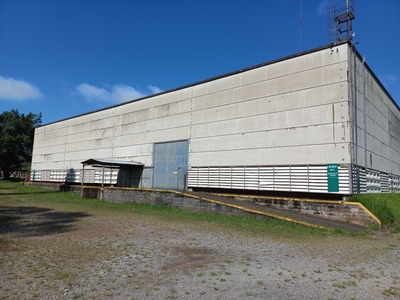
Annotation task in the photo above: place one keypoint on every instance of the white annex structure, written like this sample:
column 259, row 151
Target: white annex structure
column 315, row 122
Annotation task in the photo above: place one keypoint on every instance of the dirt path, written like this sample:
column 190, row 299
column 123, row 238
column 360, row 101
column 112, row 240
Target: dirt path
column 52, row 254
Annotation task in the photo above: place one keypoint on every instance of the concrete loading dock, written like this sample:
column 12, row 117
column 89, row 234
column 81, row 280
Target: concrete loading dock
column 315, row 122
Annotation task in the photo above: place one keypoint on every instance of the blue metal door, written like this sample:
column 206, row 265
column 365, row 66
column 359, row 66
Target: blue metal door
column 170, row 165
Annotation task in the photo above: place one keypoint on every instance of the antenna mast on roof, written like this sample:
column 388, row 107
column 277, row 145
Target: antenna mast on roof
column 340, row 18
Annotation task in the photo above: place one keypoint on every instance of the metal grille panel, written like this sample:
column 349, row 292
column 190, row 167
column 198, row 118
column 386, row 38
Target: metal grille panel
column 268, row 178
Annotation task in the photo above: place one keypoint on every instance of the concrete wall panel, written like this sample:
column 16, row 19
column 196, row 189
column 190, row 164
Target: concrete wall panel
column 269, row 105
column 222, row 84
column 288, row 137
column 273, row 121
column 177, row 96
column 309, row 154
column 253, row 76
column 324, row 57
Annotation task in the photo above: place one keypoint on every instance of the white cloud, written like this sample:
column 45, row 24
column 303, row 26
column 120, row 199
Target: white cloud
column 154, row 89
column 93, row 92
column 11, row 88
column 122, row 93
column 113, row 94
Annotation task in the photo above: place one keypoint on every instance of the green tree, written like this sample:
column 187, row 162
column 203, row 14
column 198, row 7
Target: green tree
column 16, row 139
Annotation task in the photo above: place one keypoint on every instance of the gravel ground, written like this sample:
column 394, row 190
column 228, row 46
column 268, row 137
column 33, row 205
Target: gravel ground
column 47, row 254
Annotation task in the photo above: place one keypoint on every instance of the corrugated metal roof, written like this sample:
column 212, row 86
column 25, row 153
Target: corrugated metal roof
column 105, row 162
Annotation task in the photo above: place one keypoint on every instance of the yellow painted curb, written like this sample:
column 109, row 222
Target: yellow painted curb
column 366, row 210
column 308, row 200
column 255, row 211
column 237, row 207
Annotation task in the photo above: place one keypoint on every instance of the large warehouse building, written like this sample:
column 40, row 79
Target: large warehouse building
column 316, row 122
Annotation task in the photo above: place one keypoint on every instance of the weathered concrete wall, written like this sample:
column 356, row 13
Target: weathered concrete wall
column 288, row 112
column 375, row 116
column 169, row 198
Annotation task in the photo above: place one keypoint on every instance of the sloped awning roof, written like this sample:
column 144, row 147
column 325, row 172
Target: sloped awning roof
column 114, row 163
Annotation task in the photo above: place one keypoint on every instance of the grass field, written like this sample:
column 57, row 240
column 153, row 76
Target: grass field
column 385, row 206
column 25, row 195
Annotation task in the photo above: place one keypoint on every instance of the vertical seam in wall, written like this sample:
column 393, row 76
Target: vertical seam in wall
column 190, row 129
column 364, row 114
column 65, row 146
column 114, row 131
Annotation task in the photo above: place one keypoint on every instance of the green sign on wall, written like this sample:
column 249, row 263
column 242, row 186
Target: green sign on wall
column 333, row 178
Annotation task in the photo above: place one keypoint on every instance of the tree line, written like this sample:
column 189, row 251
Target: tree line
column 16, row 140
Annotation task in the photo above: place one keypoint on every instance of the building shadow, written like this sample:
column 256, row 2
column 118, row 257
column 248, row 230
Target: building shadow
column 26, row 193
column 27, row 221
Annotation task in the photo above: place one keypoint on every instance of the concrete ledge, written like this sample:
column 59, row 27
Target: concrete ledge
column 342, row 211
column 150, row 196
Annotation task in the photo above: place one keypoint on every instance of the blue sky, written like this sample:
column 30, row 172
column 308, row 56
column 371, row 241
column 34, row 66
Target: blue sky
column 64, row 58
